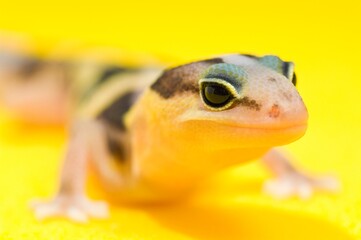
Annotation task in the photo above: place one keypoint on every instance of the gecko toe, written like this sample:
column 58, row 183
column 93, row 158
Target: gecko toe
column 299, row 185
column 76, row 214
column 96, row 209
column 77, row 209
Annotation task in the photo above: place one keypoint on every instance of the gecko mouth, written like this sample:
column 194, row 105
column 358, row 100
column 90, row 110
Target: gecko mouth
column 289, row 122
column 276, row 126
column 270, row 126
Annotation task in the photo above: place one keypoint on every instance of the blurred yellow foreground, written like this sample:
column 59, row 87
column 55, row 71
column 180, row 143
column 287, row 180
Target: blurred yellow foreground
column 321, row 37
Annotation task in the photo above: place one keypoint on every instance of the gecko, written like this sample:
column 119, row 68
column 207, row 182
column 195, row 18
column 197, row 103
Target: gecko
column 152, row 134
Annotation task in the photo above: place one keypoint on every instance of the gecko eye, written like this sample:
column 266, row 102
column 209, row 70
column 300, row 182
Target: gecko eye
column 216, row 96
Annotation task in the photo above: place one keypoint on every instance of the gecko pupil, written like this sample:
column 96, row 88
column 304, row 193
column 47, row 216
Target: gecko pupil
column 216, row 95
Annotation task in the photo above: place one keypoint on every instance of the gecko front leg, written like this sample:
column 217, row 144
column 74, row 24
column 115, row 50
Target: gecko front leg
column 87, row 144
column 291, row 181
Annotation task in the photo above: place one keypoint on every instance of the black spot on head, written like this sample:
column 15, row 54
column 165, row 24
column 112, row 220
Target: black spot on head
column 115, row 112
column 212, row 61
column 250, row 56
column 286, row 73
column 182, row 79
column 252, row 104
column 294, row 79
column 285, row 69
column 272, row 79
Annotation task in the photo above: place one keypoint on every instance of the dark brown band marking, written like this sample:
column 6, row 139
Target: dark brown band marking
column 211, row 61
column 26, row 66
column 30, row 67
column 252, row 104
column 112, row 71
column 115, row 147
column 114, row 113
column 167, row 84
column 106, row 75
column 250, row 56
column 182, row 79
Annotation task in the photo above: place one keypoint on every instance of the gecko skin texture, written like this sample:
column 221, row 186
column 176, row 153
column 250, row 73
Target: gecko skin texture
column 152, row 135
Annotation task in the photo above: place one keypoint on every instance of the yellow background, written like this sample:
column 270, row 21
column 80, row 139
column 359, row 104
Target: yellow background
column 321, row 37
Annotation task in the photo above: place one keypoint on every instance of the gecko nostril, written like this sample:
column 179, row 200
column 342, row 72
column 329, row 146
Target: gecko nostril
column 274, row 112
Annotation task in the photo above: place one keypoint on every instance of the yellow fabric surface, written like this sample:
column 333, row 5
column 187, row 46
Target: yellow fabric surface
column 321, row 37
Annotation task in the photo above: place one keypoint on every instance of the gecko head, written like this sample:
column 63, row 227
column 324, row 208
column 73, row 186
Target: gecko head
column 234, row 100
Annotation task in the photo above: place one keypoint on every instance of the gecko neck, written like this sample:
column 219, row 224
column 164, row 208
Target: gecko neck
column 175, row 171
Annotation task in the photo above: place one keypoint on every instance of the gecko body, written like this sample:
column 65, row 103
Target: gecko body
column 152, row 135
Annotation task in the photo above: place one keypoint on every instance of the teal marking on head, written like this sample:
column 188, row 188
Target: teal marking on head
column 233, row 74
column 272, row 62
column 275, row 63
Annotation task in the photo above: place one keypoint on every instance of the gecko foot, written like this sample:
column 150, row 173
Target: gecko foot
column 300, row 185
column 78, row 209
